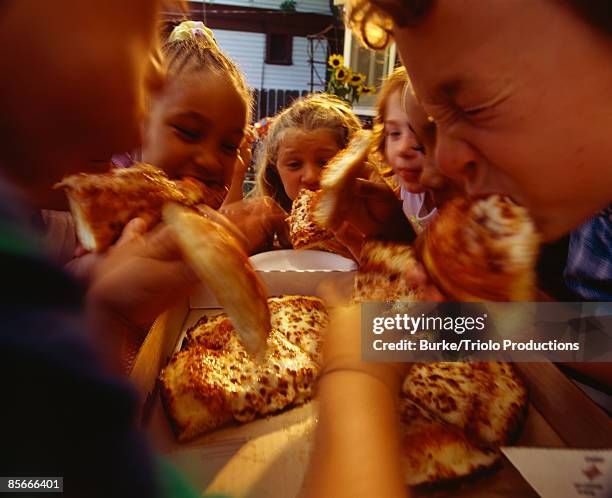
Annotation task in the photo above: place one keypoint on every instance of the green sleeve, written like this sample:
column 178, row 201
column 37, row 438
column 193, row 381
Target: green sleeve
column 172, row 484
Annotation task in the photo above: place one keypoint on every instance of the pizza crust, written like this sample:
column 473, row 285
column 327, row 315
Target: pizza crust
column 220, row 261
column 433, row 451
column 338, row 178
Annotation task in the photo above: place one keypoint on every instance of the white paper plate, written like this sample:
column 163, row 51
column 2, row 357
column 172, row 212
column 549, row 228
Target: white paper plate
column 304, row 260
column 304, row 272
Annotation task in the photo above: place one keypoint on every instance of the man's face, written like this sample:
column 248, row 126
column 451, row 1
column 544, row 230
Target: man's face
column 519, row 91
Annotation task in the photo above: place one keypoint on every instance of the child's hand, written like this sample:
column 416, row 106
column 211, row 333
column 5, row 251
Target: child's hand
column 352, row 238
column 241, row 166
column 83, row 266
column 377, row 213
column 260, row 220
column 133, row 284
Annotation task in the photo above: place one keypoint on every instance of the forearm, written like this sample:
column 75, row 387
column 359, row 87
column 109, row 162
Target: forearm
column 357, row 446
column 235, row 193
column 117, row 341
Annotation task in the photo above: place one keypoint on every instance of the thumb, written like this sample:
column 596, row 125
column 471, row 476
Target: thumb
column 134, row 229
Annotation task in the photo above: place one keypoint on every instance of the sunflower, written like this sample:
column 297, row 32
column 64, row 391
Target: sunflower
column 368, row 90
column 343, row 74
column 357, row 79
column 335, row 61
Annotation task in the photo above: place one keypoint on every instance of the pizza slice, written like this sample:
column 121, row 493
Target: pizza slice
column 102, row 204
column 213, row 381
column 433, row 451
column 219, row 260
column 300, row 319
column 304, row 231
column 389, row 271
column 487, row 401
column 482, row 249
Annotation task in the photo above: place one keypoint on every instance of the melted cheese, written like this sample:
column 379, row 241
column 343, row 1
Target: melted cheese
column 213, row 380
column 487, row 400
column 433, row 451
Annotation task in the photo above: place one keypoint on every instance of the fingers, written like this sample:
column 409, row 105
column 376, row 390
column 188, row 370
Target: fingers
column 134, row 229
column 282, row 232
column 376, row 190
column 161, row 244
column 352, row 238
column 80, row 251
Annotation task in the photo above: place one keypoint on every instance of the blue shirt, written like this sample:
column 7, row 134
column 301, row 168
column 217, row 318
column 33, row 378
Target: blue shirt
column 588, row 272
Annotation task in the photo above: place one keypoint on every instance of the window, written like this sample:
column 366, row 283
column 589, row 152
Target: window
column 376, row 65
column 279, row 48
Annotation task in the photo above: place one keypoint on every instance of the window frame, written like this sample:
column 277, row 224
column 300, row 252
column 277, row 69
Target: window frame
column 287, row 61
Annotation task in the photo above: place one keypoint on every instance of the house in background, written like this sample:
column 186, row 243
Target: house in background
column 282, row 46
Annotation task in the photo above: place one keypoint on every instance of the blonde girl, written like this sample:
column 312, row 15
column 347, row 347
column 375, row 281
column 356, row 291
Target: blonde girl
column 301, row 141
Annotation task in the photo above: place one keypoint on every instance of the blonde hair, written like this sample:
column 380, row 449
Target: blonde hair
column 192, row 47
column 313, row 112
column 397, row 81
column 372, row 20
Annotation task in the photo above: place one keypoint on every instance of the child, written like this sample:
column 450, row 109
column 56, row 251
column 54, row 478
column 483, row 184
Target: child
column 396, row 142
column 196, row 125
column 402, row 132
column 301, row 141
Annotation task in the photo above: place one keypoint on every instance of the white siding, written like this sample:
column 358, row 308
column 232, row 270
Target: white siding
column 314, row 6
column 248, row 51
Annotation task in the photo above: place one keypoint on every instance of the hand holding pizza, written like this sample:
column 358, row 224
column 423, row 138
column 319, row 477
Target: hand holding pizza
column 374, row 210
column 131, row 285
column 260, row 220
column 83, row 266
column 354, row 192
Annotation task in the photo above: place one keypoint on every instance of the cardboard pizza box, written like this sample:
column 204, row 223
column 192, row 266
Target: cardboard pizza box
column 268, row 457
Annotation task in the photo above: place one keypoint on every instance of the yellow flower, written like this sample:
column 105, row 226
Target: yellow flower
column 335, row 60
column 343, row 74
column 368, row 90
column 357, row 79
